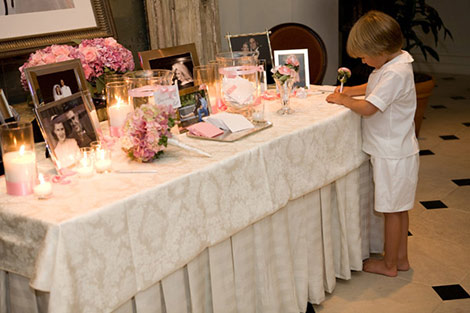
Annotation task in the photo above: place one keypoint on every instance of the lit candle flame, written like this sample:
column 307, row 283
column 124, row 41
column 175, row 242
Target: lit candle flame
column 119, row 102
column 41, row 179
column 22, row 150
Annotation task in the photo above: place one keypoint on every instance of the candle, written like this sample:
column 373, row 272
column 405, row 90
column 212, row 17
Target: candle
column 44, row 189
column 84, row 171
column 84, row 168
column 118, row 113
column 102, row 160
column 20, row 171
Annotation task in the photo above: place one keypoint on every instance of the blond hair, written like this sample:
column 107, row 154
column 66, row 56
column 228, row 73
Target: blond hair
column 373, row 34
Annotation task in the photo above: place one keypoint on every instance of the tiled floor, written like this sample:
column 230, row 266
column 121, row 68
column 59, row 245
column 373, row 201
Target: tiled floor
column 439, row 241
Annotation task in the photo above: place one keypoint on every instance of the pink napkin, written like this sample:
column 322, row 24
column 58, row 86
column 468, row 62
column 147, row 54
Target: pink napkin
column 205, row 130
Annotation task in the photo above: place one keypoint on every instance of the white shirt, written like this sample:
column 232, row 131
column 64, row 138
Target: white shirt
column 390, row 132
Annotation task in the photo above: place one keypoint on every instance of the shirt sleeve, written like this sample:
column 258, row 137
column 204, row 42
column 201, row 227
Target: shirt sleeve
column 387, row 90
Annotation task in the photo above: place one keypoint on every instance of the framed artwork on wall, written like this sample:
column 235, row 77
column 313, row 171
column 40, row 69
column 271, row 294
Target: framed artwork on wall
column 55, row 22
column 180, row 59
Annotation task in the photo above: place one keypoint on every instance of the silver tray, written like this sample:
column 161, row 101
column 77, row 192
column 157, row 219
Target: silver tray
column 228, row 136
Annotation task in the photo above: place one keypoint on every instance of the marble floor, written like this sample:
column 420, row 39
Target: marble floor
column 439, row 238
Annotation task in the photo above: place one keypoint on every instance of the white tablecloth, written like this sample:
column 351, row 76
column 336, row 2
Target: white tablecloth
column 100, row 241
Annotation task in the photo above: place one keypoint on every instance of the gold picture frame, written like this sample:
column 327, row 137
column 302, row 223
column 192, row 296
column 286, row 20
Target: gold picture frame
column 180, row 59
column 43, row 80
column 29, row 40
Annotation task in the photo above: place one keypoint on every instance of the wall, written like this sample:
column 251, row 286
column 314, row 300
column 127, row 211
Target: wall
column 454, row 54
column 247, row 16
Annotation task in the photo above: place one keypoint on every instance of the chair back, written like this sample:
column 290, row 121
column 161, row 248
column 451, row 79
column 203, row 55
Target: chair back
column 297, row 36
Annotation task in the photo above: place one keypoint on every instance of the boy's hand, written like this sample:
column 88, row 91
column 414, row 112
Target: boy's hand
column 337, row 97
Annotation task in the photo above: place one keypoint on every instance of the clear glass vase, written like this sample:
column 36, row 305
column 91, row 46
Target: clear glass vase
column 284, row 88
column 238, row 80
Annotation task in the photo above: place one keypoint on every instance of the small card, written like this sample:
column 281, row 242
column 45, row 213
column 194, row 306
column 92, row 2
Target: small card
column 229, row 121
column 168, row 95
column 205, row 130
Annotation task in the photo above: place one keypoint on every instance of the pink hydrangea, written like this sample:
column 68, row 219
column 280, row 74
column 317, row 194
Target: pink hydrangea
column 97, row 55
column 48, row 55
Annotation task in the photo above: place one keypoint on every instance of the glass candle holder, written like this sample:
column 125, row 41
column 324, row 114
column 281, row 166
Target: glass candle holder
column 142, row 85
column 117, row 106
column 206, row 75
column 84, row 167
column 102, row 160
column 43, row 189
column 19, row 158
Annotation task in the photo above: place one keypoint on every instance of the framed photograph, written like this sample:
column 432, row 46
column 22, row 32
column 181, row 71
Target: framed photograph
column 181, row 60
column 67, row 126
column 194, row 106
column 253, row 42
column 29, row 24
column 280, row 57
column 6, row 113
column 52, row 82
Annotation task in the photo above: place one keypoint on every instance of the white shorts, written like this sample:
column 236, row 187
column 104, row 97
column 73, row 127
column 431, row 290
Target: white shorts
column 395, row 183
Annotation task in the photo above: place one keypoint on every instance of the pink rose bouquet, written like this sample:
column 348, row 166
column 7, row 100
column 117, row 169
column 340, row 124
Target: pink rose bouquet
column 98, row 56
column 289, row 70
column 146, row 132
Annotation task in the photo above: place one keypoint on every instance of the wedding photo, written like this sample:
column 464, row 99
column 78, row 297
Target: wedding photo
column 57, row 85
column 181, row 66
column 55, row 81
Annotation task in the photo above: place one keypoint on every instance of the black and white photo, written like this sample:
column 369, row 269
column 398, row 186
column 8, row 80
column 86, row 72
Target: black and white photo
column 67, row 127
column 181, row 60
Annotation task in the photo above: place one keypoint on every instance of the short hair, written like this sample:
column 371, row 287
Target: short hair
column 373, row 34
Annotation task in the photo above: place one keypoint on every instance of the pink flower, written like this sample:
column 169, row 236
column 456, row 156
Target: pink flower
column 292, row 60
column 60, row 50
column 284, row 70
column 110, row 41
column 89, row 53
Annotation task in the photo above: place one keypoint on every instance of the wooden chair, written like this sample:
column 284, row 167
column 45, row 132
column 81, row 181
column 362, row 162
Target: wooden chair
column 297, row 36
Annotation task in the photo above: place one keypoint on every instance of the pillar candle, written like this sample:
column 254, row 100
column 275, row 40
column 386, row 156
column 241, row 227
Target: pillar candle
column 20, row 171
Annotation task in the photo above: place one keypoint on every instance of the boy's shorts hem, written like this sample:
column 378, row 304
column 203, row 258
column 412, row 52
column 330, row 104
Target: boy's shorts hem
column 403, row 209
column 395, row 183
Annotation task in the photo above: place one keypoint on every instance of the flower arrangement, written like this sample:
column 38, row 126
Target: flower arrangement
column 48, row 55
column 289, row 70
column 103, row 55
column 98, row 56
column 146, row 132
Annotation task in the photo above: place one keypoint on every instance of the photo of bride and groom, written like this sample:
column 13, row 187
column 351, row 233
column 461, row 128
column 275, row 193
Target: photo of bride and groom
column 61, row 90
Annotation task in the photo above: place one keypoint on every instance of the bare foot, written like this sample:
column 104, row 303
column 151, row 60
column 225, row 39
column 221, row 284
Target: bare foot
column 379, row 267
column 403, row 265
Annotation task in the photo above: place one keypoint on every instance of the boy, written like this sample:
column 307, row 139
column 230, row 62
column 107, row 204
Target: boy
column 387, row 129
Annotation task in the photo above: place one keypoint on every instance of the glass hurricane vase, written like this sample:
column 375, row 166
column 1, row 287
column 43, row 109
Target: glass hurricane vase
column 284, row 88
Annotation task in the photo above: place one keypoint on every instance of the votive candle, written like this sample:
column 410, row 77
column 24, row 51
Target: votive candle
column 44, row 189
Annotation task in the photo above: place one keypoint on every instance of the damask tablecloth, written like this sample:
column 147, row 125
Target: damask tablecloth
column 100, row 241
